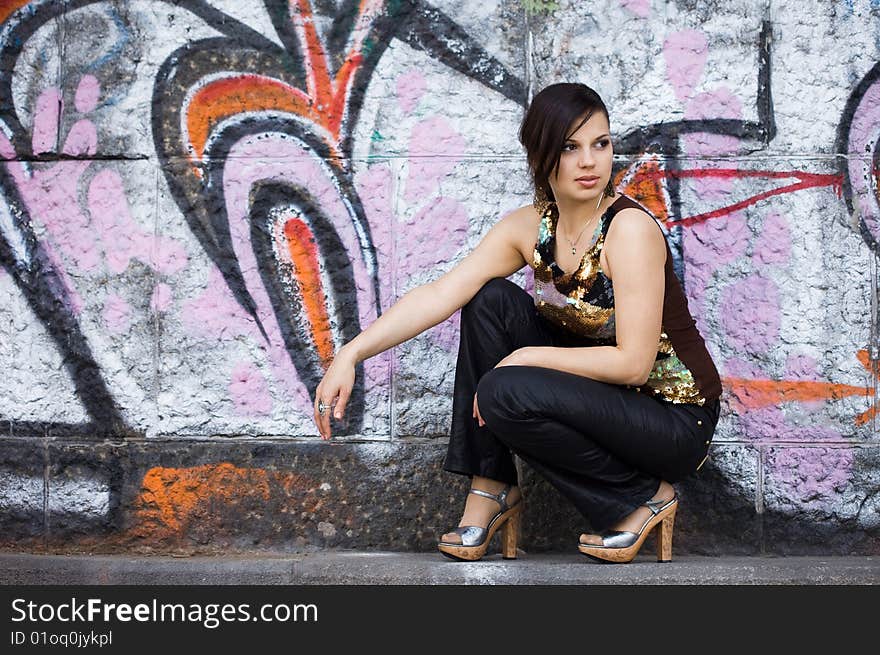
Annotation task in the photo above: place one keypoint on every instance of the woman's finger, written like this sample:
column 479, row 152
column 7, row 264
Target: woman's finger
column 316, row 415
column 339, row 410
column 325, row 417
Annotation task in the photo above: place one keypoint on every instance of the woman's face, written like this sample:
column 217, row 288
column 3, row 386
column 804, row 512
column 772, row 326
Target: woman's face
column 586, row 154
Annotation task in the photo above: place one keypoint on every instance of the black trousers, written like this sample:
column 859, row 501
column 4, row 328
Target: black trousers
column 604, row 446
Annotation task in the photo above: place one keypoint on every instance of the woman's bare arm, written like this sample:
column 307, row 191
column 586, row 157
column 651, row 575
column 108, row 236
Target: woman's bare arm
column 636, row 254
column 499, row 254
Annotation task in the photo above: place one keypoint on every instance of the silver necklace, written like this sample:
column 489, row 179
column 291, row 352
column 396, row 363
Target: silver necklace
column 573, row 244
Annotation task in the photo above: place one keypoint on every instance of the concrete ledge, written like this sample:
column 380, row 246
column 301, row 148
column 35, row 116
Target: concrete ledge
column 219, row 497
column 392, row 568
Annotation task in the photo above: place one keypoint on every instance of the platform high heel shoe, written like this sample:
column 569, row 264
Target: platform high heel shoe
column 622, row 547
column 475, row 539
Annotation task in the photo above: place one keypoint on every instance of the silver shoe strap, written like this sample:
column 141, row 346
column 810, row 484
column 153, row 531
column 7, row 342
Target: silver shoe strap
column 500, row 498
column 657, row 506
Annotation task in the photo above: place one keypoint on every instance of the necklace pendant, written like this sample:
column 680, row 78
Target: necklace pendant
column 573, row 251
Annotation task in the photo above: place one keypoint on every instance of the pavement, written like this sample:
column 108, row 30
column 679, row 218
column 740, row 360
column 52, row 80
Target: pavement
column 343, row 567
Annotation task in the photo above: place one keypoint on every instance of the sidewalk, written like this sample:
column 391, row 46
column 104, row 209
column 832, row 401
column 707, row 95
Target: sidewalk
column 391, row 568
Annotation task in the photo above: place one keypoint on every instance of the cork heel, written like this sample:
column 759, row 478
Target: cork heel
column 509, row 534
column 664, row 537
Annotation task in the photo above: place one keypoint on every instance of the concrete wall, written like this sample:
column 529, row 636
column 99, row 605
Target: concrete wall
column 201, row 200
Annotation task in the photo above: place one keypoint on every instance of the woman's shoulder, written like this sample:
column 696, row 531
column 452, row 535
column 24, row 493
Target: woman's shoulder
column 631, row 217
column 521, row 222
column 526, row 214
column 520, row 227
column 632, row 223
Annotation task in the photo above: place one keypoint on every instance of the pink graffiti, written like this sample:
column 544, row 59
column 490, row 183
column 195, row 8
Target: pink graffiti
column 750, row 316
column 51, row 195
column 432, row 230
column 122, row 237
column 720, row 103
column 688, row 51
column 685, row 54
column 117, row 314
column 215, row 314
column 249, row 390
column 810, row 477
column 46, row 114
column 864, row 134
column 50, row 192
column 87, row 94
column 411, row 86
column 160, row 300
column 435, row 149
column 641, row 8
column 773, row 245
column 374, row 187
column 432, row 237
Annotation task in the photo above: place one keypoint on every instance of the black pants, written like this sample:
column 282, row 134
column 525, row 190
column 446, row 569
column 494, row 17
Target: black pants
column 604, row 446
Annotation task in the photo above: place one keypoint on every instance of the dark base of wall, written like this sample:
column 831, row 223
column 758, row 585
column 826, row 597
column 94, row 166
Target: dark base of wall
column 212, row 497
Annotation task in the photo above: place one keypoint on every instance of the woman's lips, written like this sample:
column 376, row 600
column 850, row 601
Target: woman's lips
column 587, row 182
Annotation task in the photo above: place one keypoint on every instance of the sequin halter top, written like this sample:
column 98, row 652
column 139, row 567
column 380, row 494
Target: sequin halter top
column 581, row 305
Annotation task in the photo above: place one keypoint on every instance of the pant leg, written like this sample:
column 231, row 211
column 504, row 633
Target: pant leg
column 603, row 446
column 499, row 319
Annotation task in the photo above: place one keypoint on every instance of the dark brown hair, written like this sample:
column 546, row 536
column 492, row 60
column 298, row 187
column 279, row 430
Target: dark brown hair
column 545, row 126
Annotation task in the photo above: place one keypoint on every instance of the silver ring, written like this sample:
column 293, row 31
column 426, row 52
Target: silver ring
column 321, row 407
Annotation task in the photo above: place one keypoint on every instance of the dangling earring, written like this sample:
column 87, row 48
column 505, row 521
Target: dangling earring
column 541, row 201
column 609, row 189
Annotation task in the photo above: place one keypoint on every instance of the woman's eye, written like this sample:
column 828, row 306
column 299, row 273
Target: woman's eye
column 566, row 146
column 602, row 144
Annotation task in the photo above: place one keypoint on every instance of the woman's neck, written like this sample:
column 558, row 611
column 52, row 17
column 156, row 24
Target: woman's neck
column 573, row 216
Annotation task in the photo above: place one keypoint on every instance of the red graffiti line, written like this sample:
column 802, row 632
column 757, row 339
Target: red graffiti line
column 653, row 176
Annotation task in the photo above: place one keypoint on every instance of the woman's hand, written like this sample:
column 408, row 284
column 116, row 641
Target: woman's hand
column 477, row 416
column 519, row 357
column 336, row 386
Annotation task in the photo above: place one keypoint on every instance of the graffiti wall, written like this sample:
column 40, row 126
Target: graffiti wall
column 201, row 201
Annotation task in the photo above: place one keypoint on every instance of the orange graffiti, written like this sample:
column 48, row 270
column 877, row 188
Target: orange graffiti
column 8, row 7
column 331, row 94
column 643, row 184
column 752, row 394
column 304, row 256
column 246, row 93
column 323, row 103
column 171, row 499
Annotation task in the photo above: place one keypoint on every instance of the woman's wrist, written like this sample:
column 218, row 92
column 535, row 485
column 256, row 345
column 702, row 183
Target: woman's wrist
column 349, row 353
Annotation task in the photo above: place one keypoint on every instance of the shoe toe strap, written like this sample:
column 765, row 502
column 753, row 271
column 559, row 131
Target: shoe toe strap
column 618, row 539
column 471, row 535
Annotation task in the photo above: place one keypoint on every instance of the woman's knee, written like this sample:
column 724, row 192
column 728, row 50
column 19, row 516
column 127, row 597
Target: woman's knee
column 498, row 394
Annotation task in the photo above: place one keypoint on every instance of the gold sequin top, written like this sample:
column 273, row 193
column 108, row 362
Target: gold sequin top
column 581, row 304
